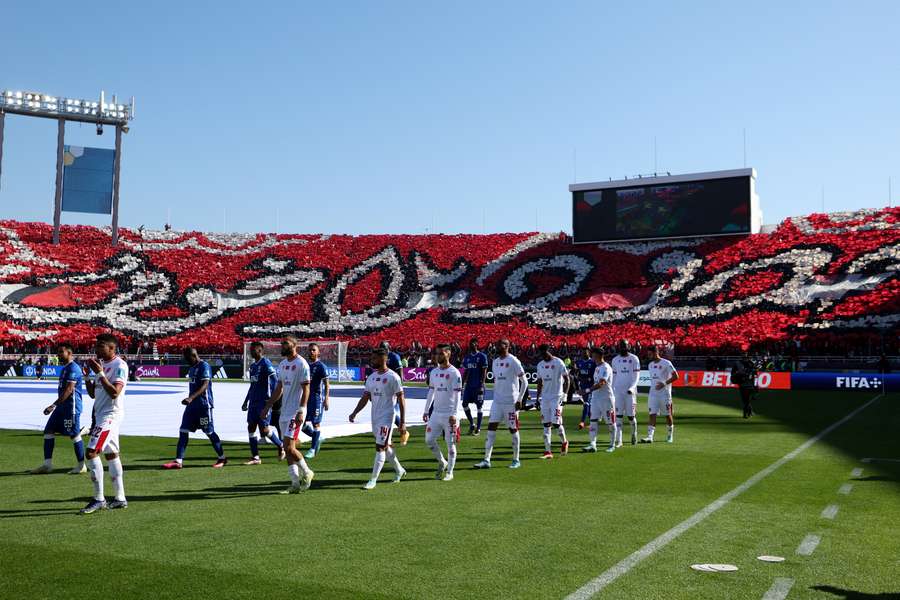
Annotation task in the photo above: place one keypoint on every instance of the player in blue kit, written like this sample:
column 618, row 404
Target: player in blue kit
column 198, row 411
column 584, row 375
column 263, row 380
column 65, row 412
column 474, row 375
column 318, row 399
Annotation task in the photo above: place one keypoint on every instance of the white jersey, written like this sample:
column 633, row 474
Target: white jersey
column 506, row 372
column 552, row 373
column 383, row 389
column 116, row 370
column 603, row 372
column 444, row 391
column 661, row 371
column 292, row 374
column 626, row 370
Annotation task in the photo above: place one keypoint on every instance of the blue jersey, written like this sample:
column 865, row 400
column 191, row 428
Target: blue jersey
column 584, row 367
column 263, row 379
column 475, row 364
column 197, row 374
column 71, row 372
column 317, row 376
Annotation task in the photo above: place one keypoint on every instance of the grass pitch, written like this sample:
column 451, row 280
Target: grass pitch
column 540, row 532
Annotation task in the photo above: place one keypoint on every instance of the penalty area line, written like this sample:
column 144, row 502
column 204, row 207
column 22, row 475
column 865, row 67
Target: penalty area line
column 595, row 585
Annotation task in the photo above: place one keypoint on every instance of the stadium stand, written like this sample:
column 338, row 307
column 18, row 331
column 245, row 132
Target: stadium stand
column 818, row 278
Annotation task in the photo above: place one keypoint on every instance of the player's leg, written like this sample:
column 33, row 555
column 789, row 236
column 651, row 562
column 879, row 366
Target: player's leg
column 433, row 432
column 450, row 438
column 209, row 429
column 496, row 415
column 670, row 422
column 54, row 425
column 382, row 432
column 189, row 423
column 254, row 441
column 512, row 421
column 99, row 435
column 468, row 399
column 610, row 417
column 653, row 405
column 74, row 433
column 116, row 472
column 479, row 412
column 300, row 473
column 548, row 452
column 585, row 408
column 561, row 431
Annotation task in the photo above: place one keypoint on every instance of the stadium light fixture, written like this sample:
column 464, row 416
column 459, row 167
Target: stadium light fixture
column 62, row 109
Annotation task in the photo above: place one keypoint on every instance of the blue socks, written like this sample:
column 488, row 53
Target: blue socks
column 469, row 416
column 308, row 429
column 254, row 445
column 273, row 437
column 316, row 440
column 216, row 444
column 586, row 413
column 182, row 445
column 479, row 419
column 79, row 449
column 49, row 442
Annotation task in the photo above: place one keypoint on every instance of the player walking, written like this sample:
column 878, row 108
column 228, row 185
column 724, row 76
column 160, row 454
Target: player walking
column 474, row 375
column 509, row 381
column 626, row 370
column 444, row 390
column 662, row 376
column 318, row 399
column 552, row 384
column 602, row 402
column 383, row 386
column 263, row 380
column 198, row 411
column 107, row 387
column 293, row 390
column 65, row 412
column 584, row 374
column 395, row 364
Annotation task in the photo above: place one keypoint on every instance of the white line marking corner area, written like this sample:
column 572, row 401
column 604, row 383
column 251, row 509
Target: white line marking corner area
column 781, row 587
column 808, row 545
column 597, row 584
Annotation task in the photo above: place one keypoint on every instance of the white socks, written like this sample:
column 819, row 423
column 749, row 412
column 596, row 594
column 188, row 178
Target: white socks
column 613, row 429
column 562, row 433
column 436, row 450
column 392, row 456
column 115, row 474
column 451, row 458
column 547, row 447
column 489, row 445
column 670, row 430
column 650, row 431
column 96, row 468
column 294, row 472
column 379, row 463
column 634, row 426
column 619, row 424
column 515, row 444
column 593, row 432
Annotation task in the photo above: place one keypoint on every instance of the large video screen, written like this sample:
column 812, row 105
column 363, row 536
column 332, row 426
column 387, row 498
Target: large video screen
column 683, row 209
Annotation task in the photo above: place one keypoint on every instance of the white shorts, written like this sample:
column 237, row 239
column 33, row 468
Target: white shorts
column 626, row 403
column 105, row 436
column 602, row 409
column 551, row 412
column 382, row 433
column 660, row 405
column 439, row 427
column 504, row 412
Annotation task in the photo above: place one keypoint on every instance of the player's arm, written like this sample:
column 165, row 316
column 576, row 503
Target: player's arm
column 327, row 390
column 540, row 388
column 673, row 378
column 65, row 394
column 465, row 376
column 360, row 405
column 401, row 402
column 112, row 389
column 304, row 398
column 567, row 382
column 275, row 397
column 429, row 400
column 523, row 387
column 484, row 372
column 635, row 375
column 246, row 403
column 199, row 391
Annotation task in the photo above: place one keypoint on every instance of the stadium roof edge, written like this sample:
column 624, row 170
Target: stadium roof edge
column 665, row 179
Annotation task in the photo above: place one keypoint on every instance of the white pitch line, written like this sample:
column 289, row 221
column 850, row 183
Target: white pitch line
column 830, row 511
column 845, row 489
column 780, row 589
column 856, row 472
column 625, row 565
column 808, row 545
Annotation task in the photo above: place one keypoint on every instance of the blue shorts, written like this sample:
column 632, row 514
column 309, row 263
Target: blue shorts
column 315, row 410
column 253, row 410
column 196, row 416
column 63, row 421
column 473, row 395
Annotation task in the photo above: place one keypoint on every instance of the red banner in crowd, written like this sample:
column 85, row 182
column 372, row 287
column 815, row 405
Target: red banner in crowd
column 722, row 379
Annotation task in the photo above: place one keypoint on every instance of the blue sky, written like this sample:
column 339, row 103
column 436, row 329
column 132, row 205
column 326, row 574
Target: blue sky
column 397, row 117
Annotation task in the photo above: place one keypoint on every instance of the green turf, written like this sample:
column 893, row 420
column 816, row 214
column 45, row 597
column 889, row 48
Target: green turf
column 539, row 532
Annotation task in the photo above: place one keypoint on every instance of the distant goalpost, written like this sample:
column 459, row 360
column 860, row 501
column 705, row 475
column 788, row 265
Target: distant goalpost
column 331, row 352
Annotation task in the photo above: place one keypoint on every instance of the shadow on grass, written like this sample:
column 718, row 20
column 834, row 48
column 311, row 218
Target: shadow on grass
column 853, row 595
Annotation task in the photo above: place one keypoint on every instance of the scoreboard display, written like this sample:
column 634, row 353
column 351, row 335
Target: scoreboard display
column 696, row 205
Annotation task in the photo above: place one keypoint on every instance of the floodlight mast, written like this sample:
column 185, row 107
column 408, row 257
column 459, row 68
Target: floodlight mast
column 62, row 109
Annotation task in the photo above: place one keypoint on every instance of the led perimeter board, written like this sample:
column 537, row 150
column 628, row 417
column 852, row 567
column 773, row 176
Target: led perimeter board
column 674, row 206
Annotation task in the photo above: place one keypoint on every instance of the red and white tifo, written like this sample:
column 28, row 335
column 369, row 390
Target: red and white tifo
column 821, row 277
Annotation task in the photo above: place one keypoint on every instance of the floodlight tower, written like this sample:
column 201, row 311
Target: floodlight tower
column 100, row 113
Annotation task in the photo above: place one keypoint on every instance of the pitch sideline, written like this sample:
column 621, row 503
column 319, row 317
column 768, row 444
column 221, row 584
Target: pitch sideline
column 597, row 584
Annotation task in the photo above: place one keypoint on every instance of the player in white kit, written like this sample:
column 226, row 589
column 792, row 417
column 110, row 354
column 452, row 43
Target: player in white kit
column 552, row 384
column 383, row 386
column 509, row 385
column 444, row 393
column 626, row 371
column 293, row 391
column 602, row 401
column 106, row 385
column 662, row 376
